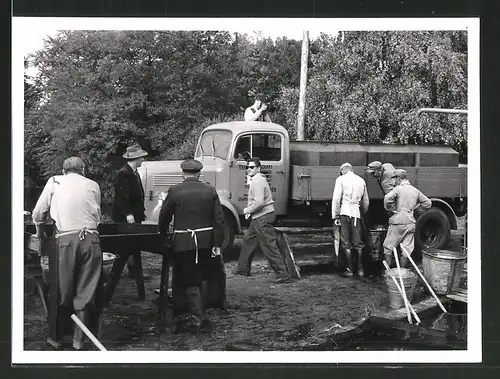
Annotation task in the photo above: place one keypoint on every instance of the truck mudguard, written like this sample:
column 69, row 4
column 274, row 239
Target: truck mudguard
column 226, row 204
column 446, row 208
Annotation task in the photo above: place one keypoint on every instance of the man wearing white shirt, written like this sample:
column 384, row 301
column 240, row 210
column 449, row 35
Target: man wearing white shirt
column 349, row 195
column 74, row 204
column 257, row 112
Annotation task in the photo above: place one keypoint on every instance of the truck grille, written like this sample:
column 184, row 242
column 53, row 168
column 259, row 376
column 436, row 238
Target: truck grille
column 168, row 180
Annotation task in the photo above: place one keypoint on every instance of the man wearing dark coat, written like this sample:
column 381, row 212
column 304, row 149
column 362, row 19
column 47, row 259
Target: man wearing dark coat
column 128, row 206
column 197, row 238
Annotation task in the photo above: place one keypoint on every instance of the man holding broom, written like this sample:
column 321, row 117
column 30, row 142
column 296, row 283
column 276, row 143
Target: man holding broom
column 401, row 202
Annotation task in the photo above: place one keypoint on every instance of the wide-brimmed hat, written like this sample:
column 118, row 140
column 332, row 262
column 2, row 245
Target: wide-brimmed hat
column 373, row 166
column 134, row 152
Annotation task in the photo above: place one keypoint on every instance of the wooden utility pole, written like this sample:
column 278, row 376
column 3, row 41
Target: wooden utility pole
column 303, row 84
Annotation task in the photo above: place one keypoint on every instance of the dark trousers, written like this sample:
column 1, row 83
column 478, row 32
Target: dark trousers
column 351, row 233
column 186, row 270
column 261, row 232
column 75, row 282
column 116, row 272
column 80, row 267
column 187, row 281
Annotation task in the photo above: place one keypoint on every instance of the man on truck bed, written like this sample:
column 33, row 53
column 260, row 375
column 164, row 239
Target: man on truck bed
column 349, row 195
column 257, row 112
column 401, row 202
column 261, row 231
column 384, row 173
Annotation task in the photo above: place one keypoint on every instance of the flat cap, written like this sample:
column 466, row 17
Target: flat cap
column 347, row 164
column 191, row 165
column 399, row 173
column 375, row 165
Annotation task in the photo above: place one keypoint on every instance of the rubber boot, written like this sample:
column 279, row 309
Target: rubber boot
column 389, row 258
column 350, row 268
column 62, row 324
column 361, row 271
column 404, row 261
column 78, row 334
column 96, row 322
column 204, row 302
column 193, row 296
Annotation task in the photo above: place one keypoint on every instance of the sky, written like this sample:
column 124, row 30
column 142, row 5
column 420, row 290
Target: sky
column 40, row 28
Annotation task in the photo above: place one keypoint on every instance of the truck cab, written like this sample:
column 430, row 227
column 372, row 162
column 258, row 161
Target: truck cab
column 301, row 176
column 224, row 149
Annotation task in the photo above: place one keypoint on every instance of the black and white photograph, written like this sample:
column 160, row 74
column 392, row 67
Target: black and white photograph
column 245, row 190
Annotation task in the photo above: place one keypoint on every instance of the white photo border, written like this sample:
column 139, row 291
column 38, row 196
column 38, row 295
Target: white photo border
column 23, row 29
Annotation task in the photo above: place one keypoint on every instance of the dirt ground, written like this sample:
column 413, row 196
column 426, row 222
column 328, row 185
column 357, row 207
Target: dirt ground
column 261, row 315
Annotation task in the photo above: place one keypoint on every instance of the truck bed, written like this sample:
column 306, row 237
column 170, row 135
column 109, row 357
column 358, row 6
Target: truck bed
column 315, row 183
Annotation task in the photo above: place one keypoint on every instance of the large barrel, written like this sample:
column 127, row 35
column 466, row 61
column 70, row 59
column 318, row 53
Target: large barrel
column 443, row 269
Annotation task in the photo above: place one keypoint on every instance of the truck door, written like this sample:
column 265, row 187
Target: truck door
column 269, row 147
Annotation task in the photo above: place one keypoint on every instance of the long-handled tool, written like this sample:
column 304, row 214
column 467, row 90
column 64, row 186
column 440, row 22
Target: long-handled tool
column 425, row 281
column 336, row 239
column 400, row 291
column 89, row 334
column 403, row 293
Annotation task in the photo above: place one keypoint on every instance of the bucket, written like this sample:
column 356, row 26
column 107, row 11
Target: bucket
column 107, row 263
column 443, row 269
column 409, row 279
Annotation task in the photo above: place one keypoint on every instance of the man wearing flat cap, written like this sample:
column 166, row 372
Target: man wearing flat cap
column 350, row 198
column 384, row 173
column 128, row 206
column 196, row 242
column 401, row 203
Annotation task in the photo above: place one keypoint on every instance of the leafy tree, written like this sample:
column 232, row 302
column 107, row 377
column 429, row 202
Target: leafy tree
column 367, row 86
column 95, row 92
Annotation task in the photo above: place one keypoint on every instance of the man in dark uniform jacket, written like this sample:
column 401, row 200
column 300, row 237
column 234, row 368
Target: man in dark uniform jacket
column 198, row 236
column 128, row 206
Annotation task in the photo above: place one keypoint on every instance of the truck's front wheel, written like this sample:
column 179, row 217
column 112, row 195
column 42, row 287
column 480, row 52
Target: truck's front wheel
column 229, row 231
column 433, row 230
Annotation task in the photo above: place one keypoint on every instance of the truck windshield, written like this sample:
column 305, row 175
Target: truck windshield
column 215, row 143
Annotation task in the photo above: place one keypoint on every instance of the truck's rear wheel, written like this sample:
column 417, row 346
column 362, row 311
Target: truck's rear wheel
column 229, row 231
column 433, row 230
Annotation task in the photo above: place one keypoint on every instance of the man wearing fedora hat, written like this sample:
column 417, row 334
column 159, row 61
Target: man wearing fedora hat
column 198, row 236
column 128, row 206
